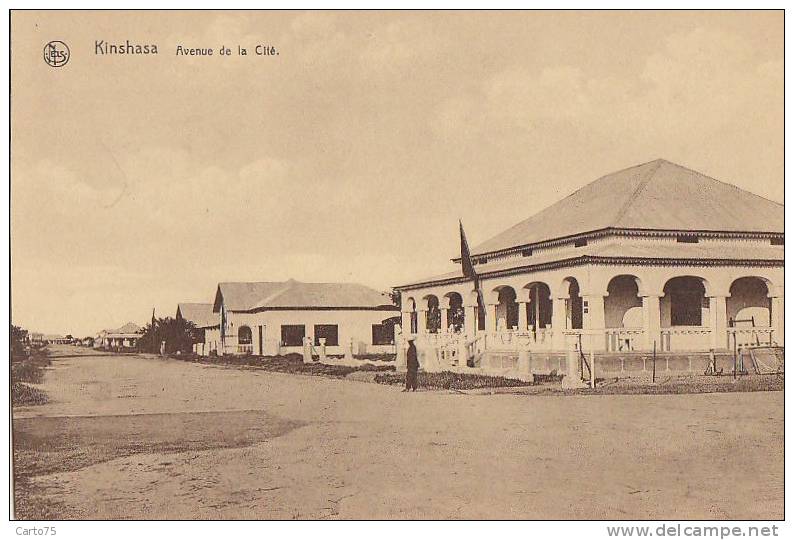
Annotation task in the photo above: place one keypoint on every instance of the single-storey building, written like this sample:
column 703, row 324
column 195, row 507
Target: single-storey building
column 207, row 324
column 56, row 339
column 656, row 257
column 270, row 318
column 119, row 339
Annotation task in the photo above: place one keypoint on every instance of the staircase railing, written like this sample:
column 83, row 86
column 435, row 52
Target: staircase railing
column 475, row 347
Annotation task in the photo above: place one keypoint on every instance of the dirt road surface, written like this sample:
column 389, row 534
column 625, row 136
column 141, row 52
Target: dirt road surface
column 136, row 437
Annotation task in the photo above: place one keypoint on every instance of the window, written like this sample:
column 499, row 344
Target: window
column 244, row 335
column 687, row 239
column 481, row 260
column 292, row 335
column 382, row 334
column 776, row 241
column 581, row 242
column 328, row 331
column 526, row 252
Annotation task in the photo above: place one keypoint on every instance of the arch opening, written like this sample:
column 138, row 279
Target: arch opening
column 623, row 305
column 749, row 303
column 539, row 308
column 684, row 302
column 413, row 316
column 573, row 305
column 506, row 309
column 456, row 315
column 244, row 335
column 433, row 316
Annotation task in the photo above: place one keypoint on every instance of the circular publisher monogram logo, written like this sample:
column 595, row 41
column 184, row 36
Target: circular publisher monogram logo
column 56, row 53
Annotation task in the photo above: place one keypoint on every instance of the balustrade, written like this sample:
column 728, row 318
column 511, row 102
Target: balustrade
column 750, row 337
column 624, row 339
column 686, row 338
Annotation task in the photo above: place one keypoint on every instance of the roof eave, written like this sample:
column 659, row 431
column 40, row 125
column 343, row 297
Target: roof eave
column 627, row 232
column 602, row 260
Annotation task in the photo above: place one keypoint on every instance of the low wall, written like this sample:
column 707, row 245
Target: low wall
column 637, row 364
column 614, row 364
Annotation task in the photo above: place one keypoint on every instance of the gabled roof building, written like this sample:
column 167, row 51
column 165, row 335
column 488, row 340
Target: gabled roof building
column 123, row 338
column 207, row 324
column 656, row 256
column 269, row 318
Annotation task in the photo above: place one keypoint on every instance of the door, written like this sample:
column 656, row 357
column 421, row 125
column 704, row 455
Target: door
column 261, row 340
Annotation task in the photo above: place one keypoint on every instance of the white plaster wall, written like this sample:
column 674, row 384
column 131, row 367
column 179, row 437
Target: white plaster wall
column 568, row 249
column 355, row 324
column 212, row 340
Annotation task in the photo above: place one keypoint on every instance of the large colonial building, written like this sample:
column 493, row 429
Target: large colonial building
column 653, row 257
column 270, row 318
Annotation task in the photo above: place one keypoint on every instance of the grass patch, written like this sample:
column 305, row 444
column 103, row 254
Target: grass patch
column 688, row 385
column 289, row 363
column 28, row 369
column 447, row 380
column 23, row 394
column 376, row 357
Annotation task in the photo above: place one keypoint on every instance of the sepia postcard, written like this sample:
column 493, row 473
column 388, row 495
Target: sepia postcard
column 398, row 265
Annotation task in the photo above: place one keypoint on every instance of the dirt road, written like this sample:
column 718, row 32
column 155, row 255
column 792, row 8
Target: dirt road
column 132, row 437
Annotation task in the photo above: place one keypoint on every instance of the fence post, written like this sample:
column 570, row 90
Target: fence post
column 524, row 368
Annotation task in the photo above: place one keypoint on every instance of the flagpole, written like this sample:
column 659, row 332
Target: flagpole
column 467, row 267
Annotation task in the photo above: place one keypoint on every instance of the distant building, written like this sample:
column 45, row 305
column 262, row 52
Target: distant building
column 56, row 339
column 270, row 318
column 207, row 324
column 119, row 339
column 653, row 257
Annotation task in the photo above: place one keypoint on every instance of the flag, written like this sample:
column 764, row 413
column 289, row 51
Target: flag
column 465, row 255
column 154, row 334
column 468, row 267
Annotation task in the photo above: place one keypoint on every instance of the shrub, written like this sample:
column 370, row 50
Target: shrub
column 447, row 380
column 31, row 368
column 22, row 394
column 376, row 357
column 552, row 377
column 373, row 367
column 290, row 363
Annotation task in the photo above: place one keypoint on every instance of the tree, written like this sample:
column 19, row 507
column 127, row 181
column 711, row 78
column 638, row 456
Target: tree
column 396, row 298
column 179, row 336
column 18, row 339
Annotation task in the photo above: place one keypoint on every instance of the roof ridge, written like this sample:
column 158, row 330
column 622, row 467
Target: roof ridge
column 727, row 184
column 581, row 188
column 286, row 286
column 638, row 190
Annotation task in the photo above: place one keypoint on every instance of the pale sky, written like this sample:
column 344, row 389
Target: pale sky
column 143, row 181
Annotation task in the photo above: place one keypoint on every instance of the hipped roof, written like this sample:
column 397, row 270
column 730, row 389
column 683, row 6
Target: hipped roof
column 658, row 195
